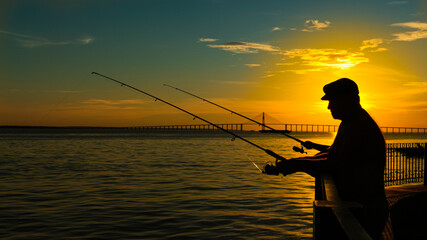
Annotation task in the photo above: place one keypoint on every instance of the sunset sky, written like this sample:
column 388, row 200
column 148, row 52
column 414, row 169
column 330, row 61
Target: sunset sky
column 249, row 56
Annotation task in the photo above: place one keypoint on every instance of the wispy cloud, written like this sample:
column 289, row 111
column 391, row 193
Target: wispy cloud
column 327, row 58
column 373, row 45
column 115, row 103
column 301, row 61
column 252, row 65
column 303, row 71
column 413, row 93
column 208, row 39
column 417, row 85
column 276, row 29
column 43, row 91
column 245, row 47
column 268, row 75
column 315, row 25
column 238, row 83
column 87, row 40
column 416, row 89
column 103, row 104
column 419, row 33
column 33, row 41
column 286, row 64
column 397, row 2
column 66, row 91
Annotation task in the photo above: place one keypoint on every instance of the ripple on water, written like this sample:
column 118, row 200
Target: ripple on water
column 145, row 187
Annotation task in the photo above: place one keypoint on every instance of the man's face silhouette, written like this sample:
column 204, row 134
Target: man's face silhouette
column 337, row 108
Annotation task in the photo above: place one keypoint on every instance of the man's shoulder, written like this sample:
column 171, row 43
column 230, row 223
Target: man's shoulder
column 365, row 121
column 363, row 127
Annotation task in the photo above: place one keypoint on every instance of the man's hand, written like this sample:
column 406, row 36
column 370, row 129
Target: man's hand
column 271, row 170
column 285, row 167
column 312, row 145
column 308, row 144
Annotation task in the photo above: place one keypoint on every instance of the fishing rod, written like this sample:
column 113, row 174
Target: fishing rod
column 233, row 112
column 269, row 152
column 301, row 150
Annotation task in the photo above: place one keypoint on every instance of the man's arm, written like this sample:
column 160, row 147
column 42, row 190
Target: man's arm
column 312, row 145
column 310, row 165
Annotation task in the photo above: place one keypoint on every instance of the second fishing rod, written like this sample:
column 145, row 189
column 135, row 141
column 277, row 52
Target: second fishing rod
column 297, row 149
column 269, row 152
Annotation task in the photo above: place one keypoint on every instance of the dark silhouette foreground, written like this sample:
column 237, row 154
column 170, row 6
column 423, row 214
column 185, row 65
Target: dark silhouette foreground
column 356, row 159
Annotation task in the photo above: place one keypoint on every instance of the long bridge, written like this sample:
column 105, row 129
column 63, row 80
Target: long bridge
column 266, row 119
column 290, row 127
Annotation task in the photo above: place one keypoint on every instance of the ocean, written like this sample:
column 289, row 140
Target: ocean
column 57, row 184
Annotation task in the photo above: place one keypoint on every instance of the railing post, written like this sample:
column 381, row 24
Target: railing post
column 333, row 218
column 425, row 164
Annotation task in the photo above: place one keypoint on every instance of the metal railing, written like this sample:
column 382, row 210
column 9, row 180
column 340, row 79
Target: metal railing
column 405, row 164
column 334, row 218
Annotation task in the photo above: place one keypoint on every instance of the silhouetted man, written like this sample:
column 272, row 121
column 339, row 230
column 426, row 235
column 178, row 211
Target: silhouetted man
column 356, row 159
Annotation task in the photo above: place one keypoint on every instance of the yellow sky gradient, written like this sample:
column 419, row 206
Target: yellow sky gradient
column 278, row 69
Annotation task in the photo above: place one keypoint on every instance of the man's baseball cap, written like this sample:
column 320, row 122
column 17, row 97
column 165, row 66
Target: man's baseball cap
column 340, row 88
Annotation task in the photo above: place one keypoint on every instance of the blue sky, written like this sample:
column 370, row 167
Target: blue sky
column 252, row 56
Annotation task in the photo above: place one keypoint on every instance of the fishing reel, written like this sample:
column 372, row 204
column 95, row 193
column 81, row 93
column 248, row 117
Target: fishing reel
column 275, row 169
column 300, row 150
column 271, row 169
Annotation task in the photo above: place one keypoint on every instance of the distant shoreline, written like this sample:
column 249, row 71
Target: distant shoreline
column 61, row 127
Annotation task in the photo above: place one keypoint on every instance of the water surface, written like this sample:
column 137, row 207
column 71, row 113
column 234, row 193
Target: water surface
column 157, row 185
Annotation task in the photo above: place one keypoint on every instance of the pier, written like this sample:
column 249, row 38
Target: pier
column 200, row 127
column 243, row 127
column 293, row 127
column 403, row 130
column 310, row 128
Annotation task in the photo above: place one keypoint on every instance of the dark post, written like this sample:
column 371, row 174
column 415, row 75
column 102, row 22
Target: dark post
column 425, row 164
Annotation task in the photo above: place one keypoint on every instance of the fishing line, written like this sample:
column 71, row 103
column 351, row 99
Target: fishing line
column 233, row 112
column 256, row 165
column 269, row 152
